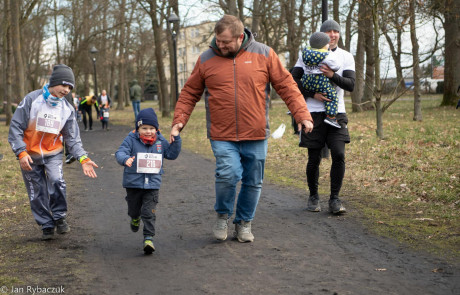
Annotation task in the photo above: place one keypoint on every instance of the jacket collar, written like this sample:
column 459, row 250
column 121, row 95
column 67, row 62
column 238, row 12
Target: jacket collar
column 248, row 38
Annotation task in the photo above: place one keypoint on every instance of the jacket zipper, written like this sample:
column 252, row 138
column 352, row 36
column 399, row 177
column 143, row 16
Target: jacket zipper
column 236, row 98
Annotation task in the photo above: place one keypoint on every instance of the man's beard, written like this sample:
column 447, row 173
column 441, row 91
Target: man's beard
column 229, row 53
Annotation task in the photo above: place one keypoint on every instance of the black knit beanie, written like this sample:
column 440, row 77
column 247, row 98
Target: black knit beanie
column 329, row 25
column 318, row 40
column 62, row 75
column 147, row 117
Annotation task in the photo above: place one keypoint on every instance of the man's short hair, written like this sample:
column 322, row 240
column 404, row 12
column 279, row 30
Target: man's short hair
column 230, row 22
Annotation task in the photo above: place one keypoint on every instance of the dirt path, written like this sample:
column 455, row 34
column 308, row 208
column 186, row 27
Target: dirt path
column 295, row 251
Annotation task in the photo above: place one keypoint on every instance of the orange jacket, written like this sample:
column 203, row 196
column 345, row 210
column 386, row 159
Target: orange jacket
column 237, row 92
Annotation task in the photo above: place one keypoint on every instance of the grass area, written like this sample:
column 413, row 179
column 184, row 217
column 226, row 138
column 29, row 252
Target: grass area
column 405, row 187
column 14, row 210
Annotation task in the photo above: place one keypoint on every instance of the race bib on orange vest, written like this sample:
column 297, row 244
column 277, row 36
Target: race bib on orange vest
column 149, row 163
column 48, row 122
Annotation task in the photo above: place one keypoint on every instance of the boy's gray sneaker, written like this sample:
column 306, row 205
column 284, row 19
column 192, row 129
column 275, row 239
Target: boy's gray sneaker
column 243, row 232
column 313, row 203
column 336, row 207
column 61, row 226
column 220, row 227
column 48, row 233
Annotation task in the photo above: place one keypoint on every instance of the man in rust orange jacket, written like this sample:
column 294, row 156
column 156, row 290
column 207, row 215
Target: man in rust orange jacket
column 234, row 74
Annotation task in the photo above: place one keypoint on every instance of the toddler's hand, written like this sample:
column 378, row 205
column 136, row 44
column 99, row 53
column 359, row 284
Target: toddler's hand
column 130, row 161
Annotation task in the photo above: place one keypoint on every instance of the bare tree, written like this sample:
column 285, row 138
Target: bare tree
column 256, row 16
column 17, row 50
column 415, row 58
column 452, row 51
column 173, row 70
column 229, row 7
column 375, row 8
column 7, row 50
column 366, row 100
column 121, row 58
column 396, row 18
column 158, row 19
column 358, row 91
column 296, row 19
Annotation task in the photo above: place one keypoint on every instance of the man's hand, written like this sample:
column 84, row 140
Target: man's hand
column 321, row 97
column 25, row 162
column 307, row 126
column 88, row 169
column 175, row 131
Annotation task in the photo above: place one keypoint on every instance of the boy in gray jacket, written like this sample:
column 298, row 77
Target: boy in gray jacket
column 42, row 121
column 142, row 153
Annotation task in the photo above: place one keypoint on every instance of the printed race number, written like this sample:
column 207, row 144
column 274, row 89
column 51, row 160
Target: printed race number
column 149, row 163
column 49, row 123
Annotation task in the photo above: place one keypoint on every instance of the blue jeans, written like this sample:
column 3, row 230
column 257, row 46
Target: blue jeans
column 237, row 161
column 136, row 107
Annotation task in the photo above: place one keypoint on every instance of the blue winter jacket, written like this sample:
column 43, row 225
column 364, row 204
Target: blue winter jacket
column 132, row 145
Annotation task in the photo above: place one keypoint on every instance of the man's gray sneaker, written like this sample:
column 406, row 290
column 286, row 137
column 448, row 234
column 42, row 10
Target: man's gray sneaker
column 61, row 226
column 220, row 227
column 313, row 203
column 336, row 207
column 48, row 233
column 243, row 232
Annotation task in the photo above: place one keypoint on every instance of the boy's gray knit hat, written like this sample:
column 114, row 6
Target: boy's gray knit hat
column 62, row 75
column 318, row 40
column 329, row 25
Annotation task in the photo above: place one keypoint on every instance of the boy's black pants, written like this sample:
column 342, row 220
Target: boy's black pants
column 142, row 203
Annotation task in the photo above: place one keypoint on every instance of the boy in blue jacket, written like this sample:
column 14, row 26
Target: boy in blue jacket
column 142, row 153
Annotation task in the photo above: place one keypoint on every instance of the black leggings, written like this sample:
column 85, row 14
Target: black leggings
column 337, row 167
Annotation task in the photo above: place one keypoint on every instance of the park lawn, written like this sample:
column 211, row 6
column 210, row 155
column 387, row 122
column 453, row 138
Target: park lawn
column 405, row 187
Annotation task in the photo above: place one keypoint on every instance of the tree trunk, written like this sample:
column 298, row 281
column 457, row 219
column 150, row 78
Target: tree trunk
column 174, row 71
column 291, row 36
column 396, row 49
column 336, row 17
column 56, row 33
column 377, row 86
column 17, row 51
column 451, row 53
column 347, row 34
column 256, row 15
column 370, row 59
column 121, row 56
column 229, row 7
column 415, row 58
column 357, row 93
column 126, row 41
column 159, row 37
column 9, row 60
column 113, row 65
column 241, row 10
